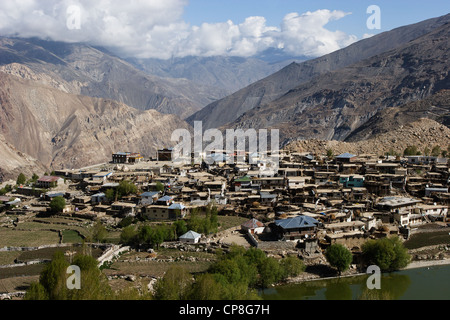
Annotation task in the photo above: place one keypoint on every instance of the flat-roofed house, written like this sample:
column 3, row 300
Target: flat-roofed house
column 127, row 157
column 402, row 209
column 346, row 158
column 49, row 182
column 149, row 197
column 123, row 209
column 162, row 212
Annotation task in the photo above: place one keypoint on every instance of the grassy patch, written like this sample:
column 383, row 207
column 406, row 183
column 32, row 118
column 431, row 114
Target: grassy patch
column 71, row 236
column 31, row 270
column 227, row 222
column 8, row 257
column 26, row 238
column 428, row 239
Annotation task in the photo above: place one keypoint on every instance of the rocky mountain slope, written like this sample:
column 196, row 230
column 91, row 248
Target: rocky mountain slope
column 435, row 107
column 279, row 84
column 65, row 130
column 229, row 73
column 335, row 104
column 82, row 69
column 422, row 133
column 13, row 162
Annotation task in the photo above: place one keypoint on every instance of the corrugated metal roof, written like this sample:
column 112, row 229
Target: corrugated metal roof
column 297, row 222
column 190, row 235
column 49, row 179
column 346, row 155
column 177, row 206
column 252, row 223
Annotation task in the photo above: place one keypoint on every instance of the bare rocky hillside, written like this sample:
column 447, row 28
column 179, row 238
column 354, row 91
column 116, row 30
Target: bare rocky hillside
column 423, row 133
column 83, row 69
column 71, row 131
column 275, row 89
column 334, row 105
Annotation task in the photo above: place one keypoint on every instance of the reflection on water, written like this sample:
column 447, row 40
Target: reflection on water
column 420, row 284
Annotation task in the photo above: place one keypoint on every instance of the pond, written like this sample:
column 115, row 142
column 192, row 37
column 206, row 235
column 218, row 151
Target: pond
column 429, row 283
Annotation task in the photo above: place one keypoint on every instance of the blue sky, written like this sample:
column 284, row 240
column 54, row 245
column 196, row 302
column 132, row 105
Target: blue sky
column 394, row 13
column 178, row 28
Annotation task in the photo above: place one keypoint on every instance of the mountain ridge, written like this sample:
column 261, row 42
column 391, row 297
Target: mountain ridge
column 280, row 83
column 336, row 103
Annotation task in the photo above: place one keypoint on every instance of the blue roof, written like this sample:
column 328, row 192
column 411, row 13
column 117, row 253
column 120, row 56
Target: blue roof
column 346, row 155
column 267, row 195
column 190, row 235
column 101, row 194
column 176, row 206
column 165, row 198
column 297, row 222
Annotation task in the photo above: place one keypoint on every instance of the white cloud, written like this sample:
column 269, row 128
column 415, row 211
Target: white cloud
column 156, row 28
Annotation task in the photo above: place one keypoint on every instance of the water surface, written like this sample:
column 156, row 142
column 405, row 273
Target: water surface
column 429, row 283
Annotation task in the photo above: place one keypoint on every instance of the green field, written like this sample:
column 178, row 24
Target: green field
column 71, row 236
column 428, row 239
column 26, row 238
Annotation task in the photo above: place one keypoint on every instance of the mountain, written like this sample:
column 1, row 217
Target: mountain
column 64, row 130
column 13, row 162
column 333, row 105
column 422, row 133
column 435, row 107
column 228, row 73
column 275, row 86
column 83, row 69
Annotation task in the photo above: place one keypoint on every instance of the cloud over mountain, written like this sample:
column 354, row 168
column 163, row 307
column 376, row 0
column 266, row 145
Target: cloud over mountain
column 156, row 29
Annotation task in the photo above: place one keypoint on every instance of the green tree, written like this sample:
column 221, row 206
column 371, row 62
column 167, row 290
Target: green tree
column 292, row 266
column 34, row 178
column 206, row 288
column 57, row 204
column 144, row 235
column 330, row 154
column 174, row 285
column 52, row 283
column 411, row 151
column 159, row 186
column 21, row 179
column 158, row 235
column 126, row 188
column 36, row 291
column 426, row 151
column 402, row 257
column 128, row 235
column 270, row 272
column 388, row 254
column 180, row 227
column 99, row 232
column 110, row 194
column 53, row 277
column 94, row 284
column 5, row 190
column 125, row 222
column 436, row 151
column 229, row 269
column 339, row 257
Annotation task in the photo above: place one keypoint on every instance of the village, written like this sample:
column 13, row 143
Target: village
column 306, row 199
column 303, row 205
